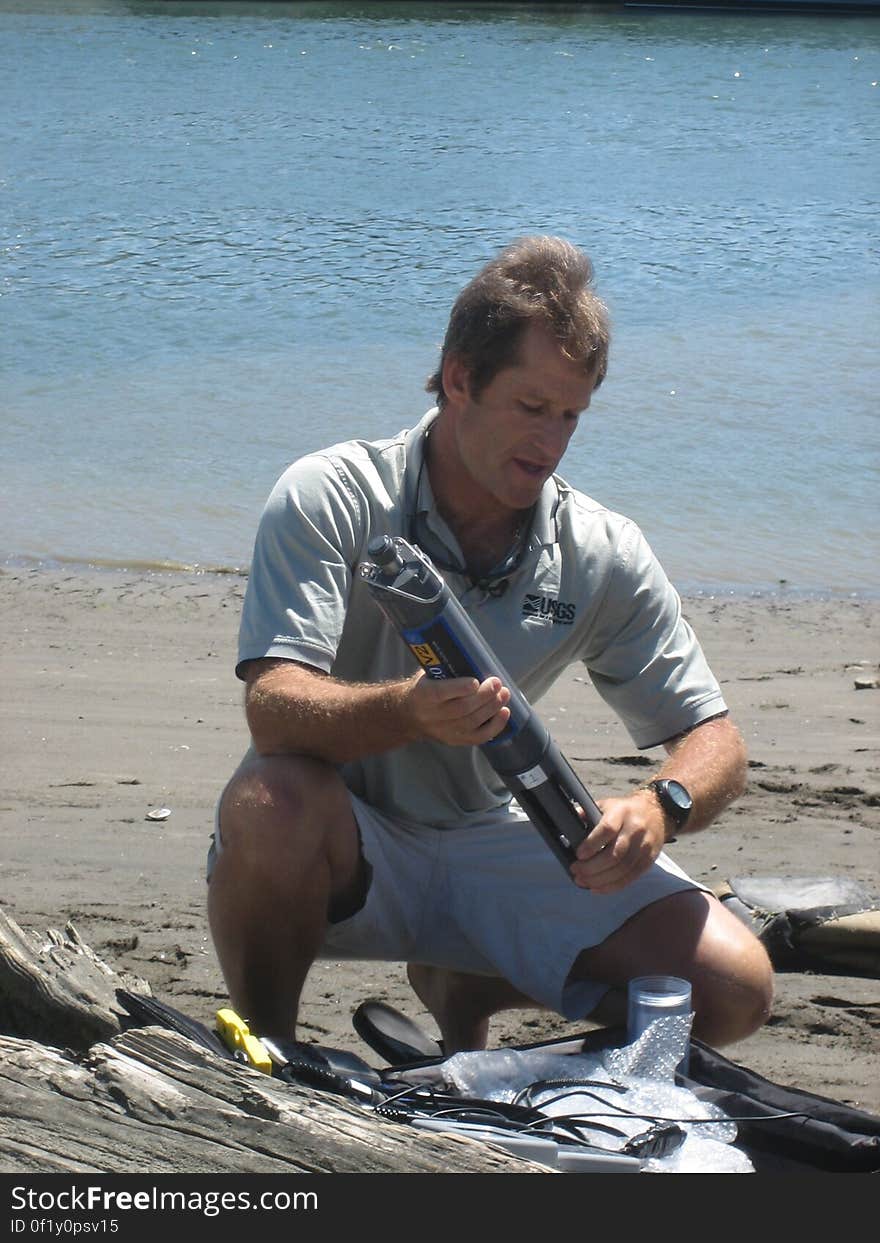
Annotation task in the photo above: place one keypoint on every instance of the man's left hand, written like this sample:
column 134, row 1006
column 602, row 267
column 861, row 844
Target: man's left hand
column 623, row 845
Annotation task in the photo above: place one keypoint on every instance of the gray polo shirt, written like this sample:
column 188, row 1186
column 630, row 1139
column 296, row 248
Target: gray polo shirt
column 587, row 589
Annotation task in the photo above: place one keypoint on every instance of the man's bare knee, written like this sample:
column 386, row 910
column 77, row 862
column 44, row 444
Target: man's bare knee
column 733, row 1000
column 691, row 934
column 285, row 807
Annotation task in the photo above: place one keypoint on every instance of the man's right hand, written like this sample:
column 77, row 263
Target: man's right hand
column 458, row 711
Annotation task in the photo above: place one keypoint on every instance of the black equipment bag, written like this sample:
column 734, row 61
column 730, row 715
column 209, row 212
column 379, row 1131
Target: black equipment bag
column 821, row 1134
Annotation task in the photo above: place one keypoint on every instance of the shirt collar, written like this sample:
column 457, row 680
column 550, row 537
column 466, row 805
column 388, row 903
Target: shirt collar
column 414, row 448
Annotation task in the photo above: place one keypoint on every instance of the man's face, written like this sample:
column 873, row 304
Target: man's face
column 510, row 439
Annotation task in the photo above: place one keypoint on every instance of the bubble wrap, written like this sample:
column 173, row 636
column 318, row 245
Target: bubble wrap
column 645, row 1068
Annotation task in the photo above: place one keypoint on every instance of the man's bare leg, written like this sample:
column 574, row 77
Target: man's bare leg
column 688, row 934
column 692, row 935
column 290, row 848
column 462, row 1004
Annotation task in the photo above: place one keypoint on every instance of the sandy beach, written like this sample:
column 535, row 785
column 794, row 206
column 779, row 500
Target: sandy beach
column 120, row 697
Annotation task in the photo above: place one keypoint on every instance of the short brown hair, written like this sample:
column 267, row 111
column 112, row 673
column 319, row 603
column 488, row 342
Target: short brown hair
column 536, row 279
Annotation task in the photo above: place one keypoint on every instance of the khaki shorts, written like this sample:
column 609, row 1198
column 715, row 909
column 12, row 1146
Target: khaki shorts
column 490, row 899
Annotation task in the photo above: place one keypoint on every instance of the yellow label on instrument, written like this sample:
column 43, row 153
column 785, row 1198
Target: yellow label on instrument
column 425, row 654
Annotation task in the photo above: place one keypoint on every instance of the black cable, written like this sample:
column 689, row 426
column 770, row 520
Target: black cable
column 630, row 1113
column 543, row 1084
column 658, row 1141
column 580, row 1084
column 521, row 1118
column 798, row 1113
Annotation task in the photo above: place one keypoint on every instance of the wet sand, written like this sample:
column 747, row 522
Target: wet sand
column 120, row 697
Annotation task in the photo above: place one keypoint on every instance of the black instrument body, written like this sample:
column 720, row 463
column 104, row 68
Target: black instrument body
column 447, row 644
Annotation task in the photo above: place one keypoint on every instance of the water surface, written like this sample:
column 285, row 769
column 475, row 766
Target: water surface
column 231, row 233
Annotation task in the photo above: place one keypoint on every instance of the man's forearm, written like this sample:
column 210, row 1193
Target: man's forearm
column 294, row 710
column 711, row 763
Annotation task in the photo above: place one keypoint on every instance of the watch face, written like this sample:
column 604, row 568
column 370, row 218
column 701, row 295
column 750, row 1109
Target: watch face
column 674, row 799
column 679, row 795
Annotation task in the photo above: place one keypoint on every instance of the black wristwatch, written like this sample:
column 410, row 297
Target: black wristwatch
column 675, row 801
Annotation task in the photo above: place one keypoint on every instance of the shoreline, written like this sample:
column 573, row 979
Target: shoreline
column 782, row 590
column 121, row 698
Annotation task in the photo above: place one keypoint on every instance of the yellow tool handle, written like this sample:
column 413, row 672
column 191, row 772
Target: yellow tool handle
column 236, row 1035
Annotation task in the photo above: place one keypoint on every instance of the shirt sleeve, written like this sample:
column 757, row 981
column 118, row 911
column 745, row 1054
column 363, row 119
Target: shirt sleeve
column 307, row 545
column 644, row 659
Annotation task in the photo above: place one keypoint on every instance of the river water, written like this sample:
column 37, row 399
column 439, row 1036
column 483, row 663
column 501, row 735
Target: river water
column 231, row 233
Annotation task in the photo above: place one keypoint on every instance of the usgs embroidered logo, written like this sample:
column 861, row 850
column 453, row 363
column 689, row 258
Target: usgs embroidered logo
column 547, row 609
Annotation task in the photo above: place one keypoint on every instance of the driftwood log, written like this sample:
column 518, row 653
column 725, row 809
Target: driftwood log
column 54, row 988
column 80, row 1094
